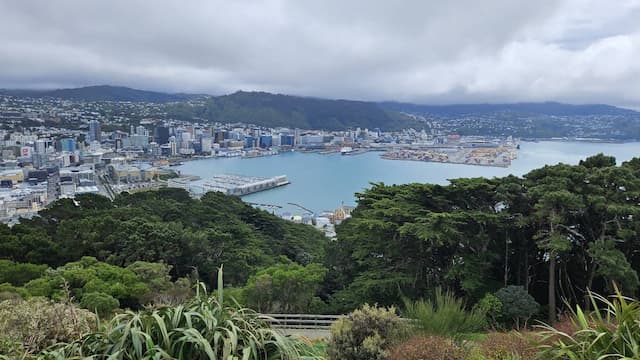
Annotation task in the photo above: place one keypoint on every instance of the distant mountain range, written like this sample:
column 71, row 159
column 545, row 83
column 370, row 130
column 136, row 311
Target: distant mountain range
column 537, row 108
column 102, row 93
column 272, row 110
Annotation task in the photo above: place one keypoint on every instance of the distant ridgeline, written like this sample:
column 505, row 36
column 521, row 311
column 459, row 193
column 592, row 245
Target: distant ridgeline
column 527, row 120
column 273, row 110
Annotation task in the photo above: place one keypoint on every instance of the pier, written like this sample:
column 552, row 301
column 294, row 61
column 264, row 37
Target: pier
column 238, row 185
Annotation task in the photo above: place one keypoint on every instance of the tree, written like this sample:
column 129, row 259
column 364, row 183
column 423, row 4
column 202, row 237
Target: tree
column 90, row 276
column 101, row 303
column 517, row 304
column 611, row 264
column 18, row 274
column 286, row 287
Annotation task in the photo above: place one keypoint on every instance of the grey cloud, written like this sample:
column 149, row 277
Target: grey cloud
column 423, row 51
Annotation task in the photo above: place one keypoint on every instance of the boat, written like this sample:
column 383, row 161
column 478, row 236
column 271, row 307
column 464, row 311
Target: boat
column 346, row 150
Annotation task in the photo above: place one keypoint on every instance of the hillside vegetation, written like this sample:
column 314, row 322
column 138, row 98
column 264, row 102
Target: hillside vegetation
column 273, row 110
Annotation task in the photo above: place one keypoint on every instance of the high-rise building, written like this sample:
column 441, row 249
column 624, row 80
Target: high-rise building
column 296, row 133
column 68, row 145
column 266, row 141
column 287, row 140
column 95, row 132
column 41, row 146
column 248, row 142
column 142, row 131
column 162, row 135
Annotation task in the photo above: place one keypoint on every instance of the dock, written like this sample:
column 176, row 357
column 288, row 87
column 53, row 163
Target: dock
column 238, row 185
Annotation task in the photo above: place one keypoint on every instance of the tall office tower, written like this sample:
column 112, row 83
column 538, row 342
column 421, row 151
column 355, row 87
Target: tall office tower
column 95, row 132
column 162, row 135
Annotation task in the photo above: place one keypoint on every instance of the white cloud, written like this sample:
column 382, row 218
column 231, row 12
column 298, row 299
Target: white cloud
column 423, row 51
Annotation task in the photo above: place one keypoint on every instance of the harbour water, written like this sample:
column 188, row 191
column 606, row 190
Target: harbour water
column 322, row 182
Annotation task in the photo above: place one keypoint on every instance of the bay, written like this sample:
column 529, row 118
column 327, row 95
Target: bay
column 324, row 182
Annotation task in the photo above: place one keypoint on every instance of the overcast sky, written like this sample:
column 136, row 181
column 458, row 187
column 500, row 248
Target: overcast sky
column 425, row 51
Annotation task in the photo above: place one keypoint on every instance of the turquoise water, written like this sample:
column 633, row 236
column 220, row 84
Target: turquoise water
column 323, row 182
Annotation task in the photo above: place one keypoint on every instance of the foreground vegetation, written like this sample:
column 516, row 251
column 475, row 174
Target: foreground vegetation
column 473, row 265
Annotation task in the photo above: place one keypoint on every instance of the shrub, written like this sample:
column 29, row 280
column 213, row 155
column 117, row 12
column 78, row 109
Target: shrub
column 427, row 347
column 18, row 274
column 365, row 334
column 30, row 326
column 101, row 303
column 610, row 332
column 491, row 306
column 446, row 316
column 203, row 328
column 506, row 346
column 287, row 288
column 517, row 305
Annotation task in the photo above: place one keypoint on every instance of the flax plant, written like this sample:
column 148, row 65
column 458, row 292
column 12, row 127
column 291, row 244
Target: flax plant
column 203, row 328
column 611, row 331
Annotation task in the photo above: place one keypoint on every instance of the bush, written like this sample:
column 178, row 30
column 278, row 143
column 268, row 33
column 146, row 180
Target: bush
column 365, row 334
column 32, row 325
column 203, row 328
column 517, row 305
column 101, row 303
column 505, row 346
column 18, row 274
column 427, row 347
column 446, row 316
column 491, row 306
column 609, row 332
column 286, row 288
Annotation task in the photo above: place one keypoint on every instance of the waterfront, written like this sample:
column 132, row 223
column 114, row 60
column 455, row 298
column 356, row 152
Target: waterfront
column 321, row 182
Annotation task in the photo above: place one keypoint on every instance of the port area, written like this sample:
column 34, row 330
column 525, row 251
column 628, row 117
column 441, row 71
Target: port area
column 499, row 155
column 229, row 184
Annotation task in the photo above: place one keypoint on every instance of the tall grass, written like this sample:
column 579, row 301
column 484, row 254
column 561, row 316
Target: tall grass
column 611, row 331
column 203, row 328
column 445, row 315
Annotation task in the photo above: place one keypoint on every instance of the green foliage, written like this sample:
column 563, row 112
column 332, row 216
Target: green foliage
column 90, row 276
column 274, row 110
column 164, row 226
column 517, row 305
column 18, row 274
column 444, row 316
column 611, row 331
column 491, row 306
column 203, row 328
column 365, row 334
column 613, row 266
column 157, row 277
column 572, row 227
column 285, row 288
column 29, row 326
column 101, row 303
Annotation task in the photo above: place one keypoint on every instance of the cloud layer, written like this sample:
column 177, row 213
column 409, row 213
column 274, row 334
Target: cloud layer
column 423, row 51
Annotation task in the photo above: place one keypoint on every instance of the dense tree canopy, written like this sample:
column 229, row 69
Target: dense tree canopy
column 557, row 232
column 554, row 233
column 165, row 226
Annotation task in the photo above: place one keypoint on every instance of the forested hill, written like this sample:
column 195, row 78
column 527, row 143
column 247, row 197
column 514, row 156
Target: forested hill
column 102, row 93
column 274, row 110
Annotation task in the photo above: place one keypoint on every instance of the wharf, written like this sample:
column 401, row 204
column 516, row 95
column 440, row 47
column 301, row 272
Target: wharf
column 238, row 185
